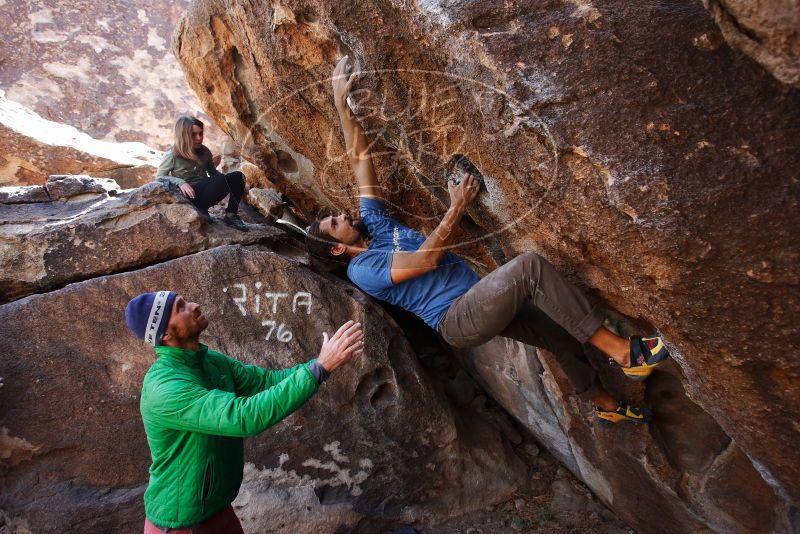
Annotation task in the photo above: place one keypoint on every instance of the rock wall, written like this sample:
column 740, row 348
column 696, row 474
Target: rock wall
column 629, row 145
column 72, row 451
column 683, row 464
column 380, row 444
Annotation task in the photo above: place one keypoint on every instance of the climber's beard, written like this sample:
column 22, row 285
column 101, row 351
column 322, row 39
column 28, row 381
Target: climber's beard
column 361, row 228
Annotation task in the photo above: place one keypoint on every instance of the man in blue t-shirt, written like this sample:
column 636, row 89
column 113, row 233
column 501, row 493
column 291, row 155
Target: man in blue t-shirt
column 525, row 299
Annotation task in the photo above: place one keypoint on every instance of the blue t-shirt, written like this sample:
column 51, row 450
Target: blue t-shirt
column 429, row 295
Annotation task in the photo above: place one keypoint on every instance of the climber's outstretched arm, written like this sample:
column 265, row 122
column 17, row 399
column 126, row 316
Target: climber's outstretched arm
column 355, row 141
column 408, row 265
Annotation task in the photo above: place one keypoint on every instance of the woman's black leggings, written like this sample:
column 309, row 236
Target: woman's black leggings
column 212, row 191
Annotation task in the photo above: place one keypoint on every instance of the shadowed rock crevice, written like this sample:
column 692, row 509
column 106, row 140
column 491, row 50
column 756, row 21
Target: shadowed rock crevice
column 684, row 454
column 689, row 437
column 285, row 162
column 702, row 455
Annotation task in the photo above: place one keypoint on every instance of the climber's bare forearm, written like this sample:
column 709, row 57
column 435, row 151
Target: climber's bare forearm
column 358, row 153
column 408, row 265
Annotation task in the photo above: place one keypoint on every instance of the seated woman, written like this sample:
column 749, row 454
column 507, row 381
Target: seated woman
column 191, row 167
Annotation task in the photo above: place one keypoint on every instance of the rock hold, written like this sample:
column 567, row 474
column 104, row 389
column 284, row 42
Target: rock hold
column 267, row 201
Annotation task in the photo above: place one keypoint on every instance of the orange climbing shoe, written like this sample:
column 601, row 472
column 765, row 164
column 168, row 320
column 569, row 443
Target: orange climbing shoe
column 624, row 412
column 646, row 354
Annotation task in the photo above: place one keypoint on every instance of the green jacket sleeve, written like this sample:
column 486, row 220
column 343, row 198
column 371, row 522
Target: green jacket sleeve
column 251, row 379
column 166, row 167
column 182, row 404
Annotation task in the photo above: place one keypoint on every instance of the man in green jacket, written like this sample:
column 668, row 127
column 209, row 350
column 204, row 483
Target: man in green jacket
column 198, row 404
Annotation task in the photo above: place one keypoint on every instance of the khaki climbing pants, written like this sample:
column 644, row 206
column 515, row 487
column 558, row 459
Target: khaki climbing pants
column 529, row 301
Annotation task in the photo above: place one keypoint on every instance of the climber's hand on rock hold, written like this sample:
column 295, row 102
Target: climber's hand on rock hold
column 342, row 82
column 346, row 344
column 215, row 160
column 463, row 194
column 187, row 190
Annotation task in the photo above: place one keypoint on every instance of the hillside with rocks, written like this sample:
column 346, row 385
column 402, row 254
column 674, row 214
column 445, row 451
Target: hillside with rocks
column 90, row 88
column 103, row 68
column 35, row 148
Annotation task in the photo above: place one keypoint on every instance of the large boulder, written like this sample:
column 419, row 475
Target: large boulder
column 78, row 227
column 34, row 148
column 378, row 442
column 654, row 168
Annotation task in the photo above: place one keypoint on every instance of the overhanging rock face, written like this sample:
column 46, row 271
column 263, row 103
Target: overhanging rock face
column 767, row 31
column 377, row 441
column 657, row 171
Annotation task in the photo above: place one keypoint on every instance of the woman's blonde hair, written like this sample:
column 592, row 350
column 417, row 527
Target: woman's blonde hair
column 184, row 146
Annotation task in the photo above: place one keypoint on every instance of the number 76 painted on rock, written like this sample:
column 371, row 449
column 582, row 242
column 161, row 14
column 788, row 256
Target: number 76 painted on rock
column 252, row 301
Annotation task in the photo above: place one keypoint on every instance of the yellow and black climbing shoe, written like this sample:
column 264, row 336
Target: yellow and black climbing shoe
column 646, row 354
column 624, row 412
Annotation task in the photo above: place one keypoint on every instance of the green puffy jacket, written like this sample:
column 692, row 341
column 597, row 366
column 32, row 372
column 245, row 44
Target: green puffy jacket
column 179, row 170
column 196, row 408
